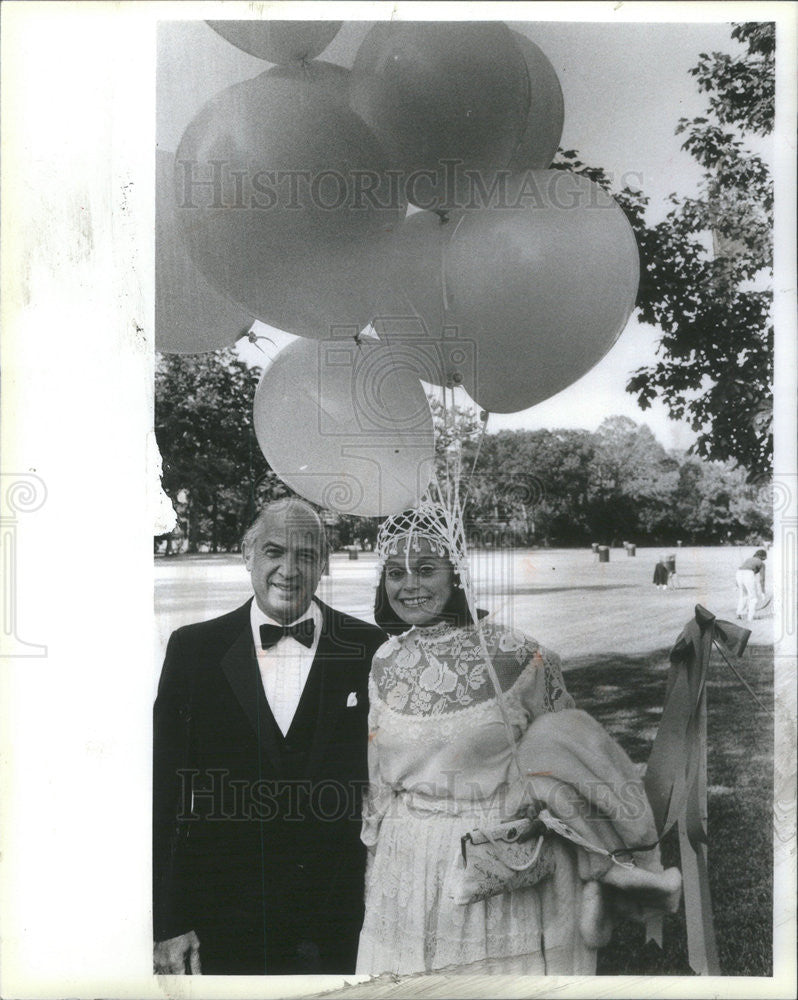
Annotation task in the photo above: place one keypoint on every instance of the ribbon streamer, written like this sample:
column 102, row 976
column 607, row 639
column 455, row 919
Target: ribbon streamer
column 676, row 777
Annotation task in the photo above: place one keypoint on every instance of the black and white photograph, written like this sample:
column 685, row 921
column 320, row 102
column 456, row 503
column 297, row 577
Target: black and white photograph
column 400, row 499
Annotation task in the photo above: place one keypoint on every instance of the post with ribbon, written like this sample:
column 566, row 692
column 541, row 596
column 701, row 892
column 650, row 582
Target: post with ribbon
column 676, row 777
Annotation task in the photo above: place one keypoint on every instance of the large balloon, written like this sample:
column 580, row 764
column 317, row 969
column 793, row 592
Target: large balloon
column 541, row 138
column 284, row 202
column 456, row 91
column 345, row 426
column 190, row 315
column 543, row 288
column 279, row 41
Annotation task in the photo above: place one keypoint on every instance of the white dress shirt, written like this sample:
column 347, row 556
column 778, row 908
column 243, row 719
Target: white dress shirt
column 285, row 667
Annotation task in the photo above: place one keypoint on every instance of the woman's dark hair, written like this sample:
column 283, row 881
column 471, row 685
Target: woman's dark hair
column 761, row 554
column 455, row 611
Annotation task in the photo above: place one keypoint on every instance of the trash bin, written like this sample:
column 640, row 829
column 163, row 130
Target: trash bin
column 352, row 552
column 631, row 550
column 604, row 553
column 594, row 547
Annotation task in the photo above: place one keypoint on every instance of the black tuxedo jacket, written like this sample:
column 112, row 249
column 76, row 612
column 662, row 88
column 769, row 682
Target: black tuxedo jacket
column 256, row 842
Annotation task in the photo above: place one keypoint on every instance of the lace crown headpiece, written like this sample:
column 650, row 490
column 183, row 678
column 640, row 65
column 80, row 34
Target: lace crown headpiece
column 430, row 521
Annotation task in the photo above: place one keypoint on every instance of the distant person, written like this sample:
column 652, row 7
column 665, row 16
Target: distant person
column 260, row 760
column 750, row 581
column 673, row 579
column 661, row 574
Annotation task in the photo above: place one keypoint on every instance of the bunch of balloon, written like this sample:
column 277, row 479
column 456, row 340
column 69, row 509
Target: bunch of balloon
column 345, row 426
column 284, row 200
column 291, row 195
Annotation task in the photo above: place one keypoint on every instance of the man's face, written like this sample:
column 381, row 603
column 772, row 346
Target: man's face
column 285, row 562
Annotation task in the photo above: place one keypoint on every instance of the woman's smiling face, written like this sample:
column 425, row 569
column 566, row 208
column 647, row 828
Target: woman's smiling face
column 418, row 586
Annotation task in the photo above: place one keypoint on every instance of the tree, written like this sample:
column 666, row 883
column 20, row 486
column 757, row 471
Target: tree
column 706, row 264
column 538, row 481
column 213, row 469
column 713, row 503
column 632, row 482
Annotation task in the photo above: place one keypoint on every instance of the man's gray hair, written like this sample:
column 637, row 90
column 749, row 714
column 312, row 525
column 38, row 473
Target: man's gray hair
column 286, row 503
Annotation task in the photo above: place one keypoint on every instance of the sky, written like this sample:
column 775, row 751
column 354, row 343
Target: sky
column 625, row 86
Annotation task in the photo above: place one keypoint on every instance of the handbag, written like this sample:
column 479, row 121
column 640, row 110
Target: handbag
column 500, row 858
column 504, row 856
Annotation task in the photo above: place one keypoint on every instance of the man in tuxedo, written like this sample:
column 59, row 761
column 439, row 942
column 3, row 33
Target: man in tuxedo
column 260, row 742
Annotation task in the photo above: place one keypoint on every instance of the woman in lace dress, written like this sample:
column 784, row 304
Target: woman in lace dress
column 440, row 764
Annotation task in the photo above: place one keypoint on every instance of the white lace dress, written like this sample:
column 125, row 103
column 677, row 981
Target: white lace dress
column 439, row 763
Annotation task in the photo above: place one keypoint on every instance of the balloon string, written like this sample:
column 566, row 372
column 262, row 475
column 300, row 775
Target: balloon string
column 446, row 446
column 390, row 347
column 388, row 342
column 522, row 136
column 444, row 246
column 459, row 455
column 476, row 458
column 445, row 303
column 453, row 518
column 741, row 679
column 444, row 298
column 384, row 288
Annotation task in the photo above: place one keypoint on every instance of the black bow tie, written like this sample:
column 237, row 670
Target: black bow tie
column 302, row 631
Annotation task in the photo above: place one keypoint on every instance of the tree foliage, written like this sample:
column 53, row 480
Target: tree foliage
column 213, row 470
column 632, row 480
column 573, row 487
column 537, row 482
column 706, row 279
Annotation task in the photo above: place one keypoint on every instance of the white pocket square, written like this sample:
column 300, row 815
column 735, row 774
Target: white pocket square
column 351, row 699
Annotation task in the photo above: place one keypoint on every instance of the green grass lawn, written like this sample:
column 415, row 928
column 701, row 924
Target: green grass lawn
column 626, row 696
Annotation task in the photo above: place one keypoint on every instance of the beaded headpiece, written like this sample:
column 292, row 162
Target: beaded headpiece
column 441, row 528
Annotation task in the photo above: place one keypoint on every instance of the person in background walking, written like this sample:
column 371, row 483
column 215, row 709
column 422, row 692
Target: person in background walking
column 750, row 580
column 661, row 574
